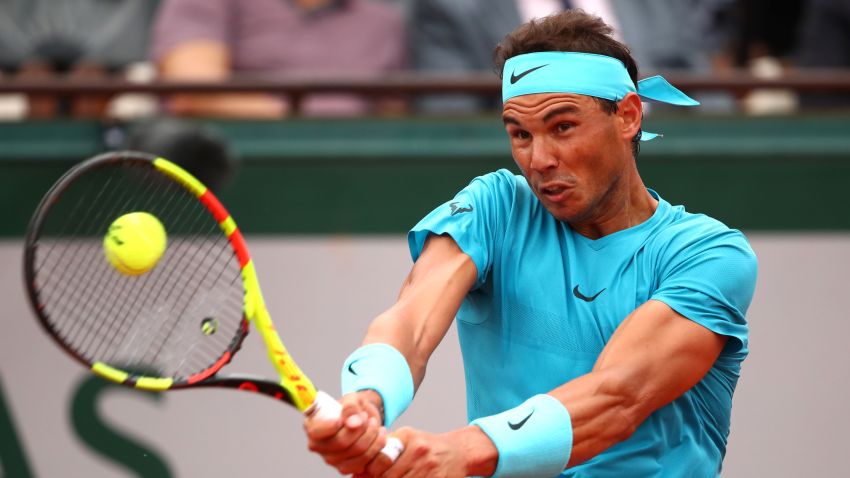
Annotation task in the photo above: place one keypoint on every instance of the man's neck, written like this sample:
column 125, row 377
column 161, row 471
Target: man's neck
column 624, row 206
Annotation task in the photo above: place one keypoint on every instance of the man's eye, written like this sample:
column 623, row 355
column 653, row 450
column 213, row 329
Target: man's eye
column 522, row 134
column 563, row 127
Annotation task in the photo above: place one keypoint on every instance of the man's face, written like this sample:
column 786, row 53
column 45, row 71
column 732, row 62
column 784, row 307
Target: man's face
column 572, row 153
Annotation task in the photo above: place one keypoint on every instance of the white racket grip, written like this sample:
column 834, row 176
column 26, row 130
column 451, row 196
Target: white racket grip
column 325, row 407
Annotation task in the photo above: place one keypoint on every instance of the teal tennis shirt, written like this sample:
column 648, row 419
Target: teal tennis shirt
column 547, row 300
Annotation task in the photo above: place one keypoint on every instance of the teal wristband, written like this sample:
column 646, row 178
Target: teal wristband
column 382, row 368
column 534, row 439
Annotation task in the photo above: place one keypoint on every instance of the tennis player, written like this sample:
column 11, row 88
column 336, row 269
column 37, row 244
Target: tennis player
column 602, row 328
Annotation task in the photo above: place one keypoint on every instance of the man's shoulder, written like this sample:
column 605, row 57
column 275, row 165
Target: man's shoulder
column 685, row 222
column 694, row 233
column 500, row 181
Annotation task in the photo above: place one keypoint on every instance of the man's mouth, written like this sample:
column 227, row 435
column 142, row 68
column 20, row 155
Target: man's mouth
column 555, row 192
column 553, row 189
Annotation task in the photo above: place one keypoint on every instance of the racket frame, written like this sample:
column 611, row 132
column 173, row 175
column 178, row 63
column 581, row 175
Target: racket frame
column 294, row 387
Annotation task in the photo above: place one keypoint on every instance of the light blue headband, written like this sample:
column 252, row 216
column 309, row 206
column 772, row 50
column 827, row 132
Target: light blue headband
column 585, row 74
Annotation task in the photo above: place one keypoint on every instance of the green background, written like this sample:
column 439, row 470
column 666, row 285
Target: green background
column 381, row 175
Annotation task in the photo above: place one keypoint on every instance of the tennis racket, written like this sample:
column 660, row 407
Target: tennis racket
column 178, row 324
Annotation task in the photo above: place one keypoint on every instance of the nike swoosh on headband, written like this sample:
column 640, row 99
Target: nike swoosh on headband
column 588, row 74
column 515, row 77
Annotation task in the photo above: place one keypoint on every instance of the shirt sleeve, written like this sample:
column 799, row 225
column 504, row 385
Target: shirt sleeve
column 475, row 218
column 710, row 278
column 181, row 21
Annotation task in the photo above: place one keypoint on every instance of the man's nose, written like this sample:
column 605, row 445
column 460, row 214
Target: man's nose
column 544, row 155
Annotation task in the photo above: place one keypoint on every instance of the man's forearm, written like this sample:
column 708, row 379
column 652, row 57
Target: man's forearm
column 388, row 328
column 603, row 411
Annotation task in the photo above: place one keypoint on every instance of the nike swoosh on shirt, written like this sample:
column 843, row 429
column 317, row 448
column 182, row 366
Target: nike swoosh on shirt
column 584, row 297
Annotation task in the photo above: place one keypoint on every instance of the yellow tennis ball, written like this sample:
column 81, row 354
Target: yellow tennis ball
column 134, row 243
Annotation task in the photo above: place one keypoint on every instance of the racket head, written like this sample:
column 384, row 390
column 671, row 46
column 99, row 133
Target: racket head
column 174, row 326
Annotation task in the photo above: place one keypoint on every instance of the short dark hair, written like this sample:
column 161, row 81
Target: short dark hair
column 570, row 30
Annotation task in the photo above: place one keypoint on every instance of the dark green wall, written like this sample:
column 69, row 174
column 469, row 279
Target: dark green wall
column 376, row 176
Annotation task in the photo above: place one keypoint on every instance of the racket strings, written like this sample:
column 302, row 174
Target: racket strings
column 74, row 252
column 185, row 298
column 143, row 349
column 85, row 255
column 180, row 298
column 86, row 291
column 153, row 321
column 204, row 269
column 90, row 298
column 160, row 283
column 211, row 343
column 104, row 327
column 214, row 272
column 143, row 289
column 73, row 215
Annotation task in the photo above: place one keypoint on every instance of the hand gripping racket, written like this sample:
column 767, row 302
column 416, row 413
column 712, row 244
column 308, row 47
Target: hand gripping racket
column 176, row 325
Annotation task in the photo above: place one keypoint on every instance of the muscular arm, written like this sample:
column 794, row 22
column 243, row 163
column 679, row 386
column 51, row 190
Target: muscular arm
column 429, row 299
column 654, row 357
column 209, row 60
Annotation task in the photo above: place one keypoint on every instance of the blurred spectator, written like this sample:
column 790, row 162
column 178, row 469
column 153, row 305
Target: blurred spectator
column 79, row 38
column 212, row 39
column 763, row 40
column 767, row 28
column 458, row 36
column 667, row 34
column 825, row 43
column 685, row 35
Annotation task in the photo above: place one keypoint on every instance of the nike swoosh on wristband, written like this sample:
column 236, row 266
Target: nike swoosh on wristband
column 584, row 297
column 351, row 369
column 515, row 77
column 517, row 426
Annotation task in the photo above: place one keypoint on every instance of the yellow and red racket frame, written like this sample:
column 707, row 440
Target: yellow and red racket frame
column 294, row 386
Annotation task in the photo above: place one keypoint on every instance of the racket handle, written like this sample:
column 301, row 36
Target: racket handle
column 325, row 407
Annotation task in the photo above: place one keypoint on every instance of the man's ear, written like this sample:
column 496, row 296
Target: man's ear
column 630, row 112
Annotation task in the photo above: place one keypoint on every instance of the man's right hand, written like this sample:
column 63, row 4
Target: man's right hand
column 350, row 442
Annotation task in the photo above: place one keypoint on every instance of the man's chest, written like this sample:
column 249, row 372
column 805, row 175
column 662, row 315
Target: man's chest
column 569, row 297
